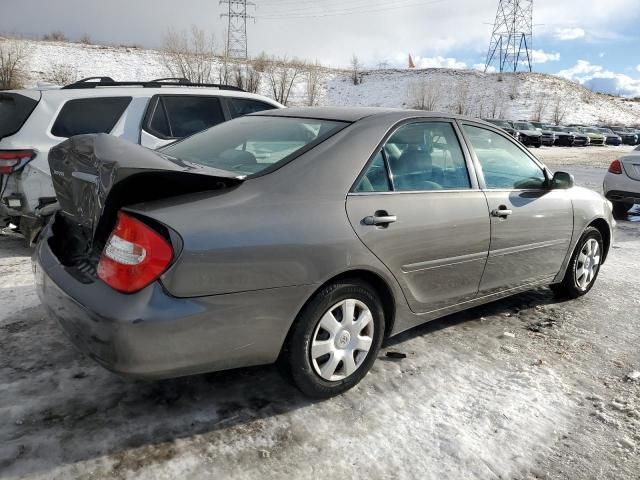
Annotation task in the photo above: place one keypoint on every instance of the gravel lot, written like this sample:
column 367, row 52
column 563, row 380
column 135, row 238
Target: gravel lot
column 524, row 388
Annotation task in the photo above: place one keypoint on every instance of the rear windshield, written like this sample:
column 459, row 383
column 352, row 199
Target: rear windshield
column 250, row 145
column 14, row 111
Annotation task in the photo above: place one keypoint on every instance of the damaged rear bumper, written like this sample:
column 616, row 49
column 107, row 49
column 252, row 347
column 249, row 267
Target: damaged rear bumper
column 151, row 334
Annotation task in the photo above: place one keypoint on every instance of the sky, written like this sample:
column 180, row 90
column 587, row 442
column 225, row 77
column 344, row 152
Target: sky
column 593, row 42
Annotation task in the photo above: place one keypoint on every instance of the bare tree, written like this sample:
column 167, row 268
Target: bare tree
column 424, row 94
column 246, row 77
column 540, row 107
column 55, row 36
column 314, row 76
column 13, row 55
column 559, row 111
column 189, row 55
column 85, row 39
column 462, row 104
column 281, row 75
column 61, row 74
column 496, row 109
column 355, row 70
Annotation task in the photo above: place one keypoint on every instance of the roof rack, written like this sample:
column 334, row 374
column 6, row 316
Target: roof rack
column 94, row 82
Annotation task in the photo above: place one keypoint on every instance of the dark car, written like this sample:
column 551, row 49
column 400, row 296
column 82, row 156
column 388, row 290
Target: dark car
column 306, row 235
column 548, row 136
column 612, row 138
column 528, row 134
column 504, row 125
column 628, row 136
column 564, row 137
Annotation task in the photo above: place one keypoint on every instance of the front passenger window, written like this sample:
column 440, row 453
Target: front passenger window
column 504, row 164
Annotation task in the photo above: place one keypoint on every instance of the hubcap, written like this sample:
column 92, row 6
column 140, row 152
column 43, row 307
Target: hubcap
column 342, row 340
column 587, row 264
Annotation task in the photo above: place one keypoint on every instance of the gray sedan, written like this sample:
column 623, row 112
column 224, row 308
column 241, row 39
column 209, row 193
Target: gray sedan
column 304, row 236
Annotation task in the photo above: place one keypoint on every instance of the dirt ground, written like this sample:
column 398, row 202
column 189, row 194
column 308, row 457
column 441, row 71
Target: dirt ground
column 525, row 388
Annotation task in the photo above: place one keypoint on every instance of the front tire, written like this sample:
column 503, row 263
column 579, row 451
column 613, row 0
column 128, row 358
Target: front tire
column 583, row 267
column 335, row 339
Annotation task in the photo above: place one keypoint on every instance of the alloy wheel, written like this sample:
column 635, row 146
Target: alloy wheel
column 587, row 264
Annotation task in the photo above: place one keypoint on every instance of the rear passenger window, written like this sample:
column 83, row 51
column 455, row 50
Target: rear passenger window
column 245, row 106
column 426, row 156
column 376, row 178
column 183, row 115
column 89, row 115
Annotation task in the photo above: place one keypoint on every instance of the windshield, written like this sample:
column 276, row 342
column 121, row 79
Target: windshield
column 524, row 126
column 14, row 111
column 590, row 130
column 248, row 145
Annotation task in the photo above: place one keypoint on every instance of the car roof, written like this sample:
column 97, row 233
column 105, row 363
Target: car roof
column 353, row 114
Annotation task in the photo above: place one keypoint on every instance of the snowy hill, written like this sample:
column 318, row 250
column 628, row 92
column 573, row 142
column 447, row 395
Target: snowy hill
column 515, row 96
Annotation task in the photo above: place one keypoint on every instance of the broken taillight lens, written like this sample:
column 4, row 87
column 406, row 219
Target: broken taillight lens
column 12, row 159
column 615, row 167
column 135, row 255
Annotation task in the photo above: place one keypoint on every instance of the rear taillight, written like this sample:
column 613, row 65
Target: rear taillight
column 135, row 255
column 615, row 167
column 12, row 159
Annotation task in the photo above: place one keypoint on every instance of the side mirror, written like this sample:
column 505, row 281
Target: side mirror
column 562, row 181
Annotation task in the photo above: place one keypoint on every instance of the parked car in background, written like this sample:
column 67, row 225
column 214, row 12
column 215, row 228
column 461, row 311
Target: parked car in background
column 622, row 183
column 564, row 137
column 151, row 114
column 503, row 124
column 628, row 136
column 528, row 134
column 595, row 136
column 306, row 235
column 611, row 138
column 548, row 136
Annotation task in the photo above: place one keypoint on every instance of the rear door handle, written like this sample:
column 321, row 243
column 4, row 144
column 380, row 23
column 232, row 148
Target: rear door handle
column 379, row 220
column 501, row 212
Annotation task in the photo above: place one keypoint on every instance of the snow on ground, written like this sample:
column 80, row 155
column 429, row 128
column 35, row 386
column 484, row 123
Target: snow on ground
column 525, row 388
column 512, row 96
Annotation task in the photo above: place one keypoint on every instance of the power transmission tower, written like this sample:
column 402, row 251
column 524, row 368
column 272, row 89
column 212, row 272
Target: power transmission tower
column 512, row 37
column 237, row 29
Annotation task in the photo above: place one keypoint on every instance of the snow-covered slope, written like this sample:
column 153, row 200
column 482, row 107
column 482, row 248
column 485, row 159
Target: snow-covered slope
column 515, row 96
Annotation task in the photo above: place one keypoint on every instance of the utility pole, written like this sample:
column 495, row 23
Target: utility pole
column 237, row 28
column 512, row 38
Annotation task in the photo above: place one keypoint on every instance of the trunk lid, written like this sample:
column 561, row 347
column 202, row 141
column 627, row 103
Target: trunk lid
column 96, row 175
column 631, row 165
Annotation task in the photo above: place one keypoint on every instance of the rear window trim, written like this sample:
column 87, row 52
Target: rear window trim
column 284, row 161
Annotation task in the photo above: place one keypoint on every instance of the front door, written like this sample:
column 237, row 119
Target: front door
column 531, row 225
column 418, row 209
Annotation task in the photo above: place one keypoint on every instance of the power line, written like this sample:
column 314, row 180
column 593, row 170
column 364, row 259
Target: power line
column 353, row 11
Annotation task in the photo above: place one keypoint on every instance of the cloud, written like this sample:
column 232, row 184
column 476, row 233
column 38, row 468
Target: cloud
column 438, row 62
column 569, row 33
column 540, row 56
column 638, row 68
column 599, row 79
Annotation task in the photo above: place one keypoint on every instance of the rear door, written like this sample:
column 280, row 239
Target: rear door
column 418, row 208
column 173, row 117
column 531, row 225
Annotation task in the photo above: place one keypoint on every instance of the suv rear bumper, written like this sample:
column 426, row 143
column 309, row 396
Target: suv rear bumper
column 151, row 334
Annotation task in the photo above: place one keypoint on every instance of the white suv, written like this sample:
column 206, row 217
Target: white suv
column 151, row 114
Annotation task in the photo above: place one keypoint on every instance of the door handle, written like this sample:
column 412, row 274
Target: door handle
column 502, row 211
column 379, row 220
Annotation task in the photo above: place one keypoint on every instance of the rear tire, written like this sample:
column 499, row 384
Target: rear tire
column 620, row 210
column 583, row 267
column 335, row 339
